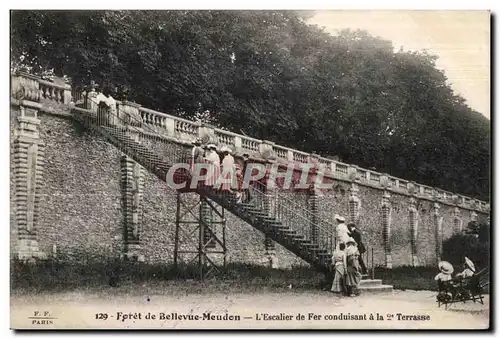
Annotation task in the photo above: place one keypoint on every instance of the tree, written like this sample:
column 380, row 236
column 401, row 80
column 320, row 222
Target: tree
column 473, row 242
column 273, row 76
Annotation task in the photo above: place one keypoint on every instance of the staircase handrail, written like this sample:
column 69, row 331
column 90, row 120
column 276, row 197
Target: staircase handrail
column 326, row 235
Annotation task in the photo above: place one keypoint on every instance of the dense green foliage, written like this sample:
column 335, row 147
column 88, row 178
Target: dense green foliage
column 273, row 76
column 473, row 242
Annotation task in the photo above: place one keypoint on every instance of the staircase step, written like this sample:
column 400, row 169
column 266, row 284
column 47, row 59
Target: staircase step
column 310, row 245
column 271, row 219
column 260, row 214
column 376, row 289
column 117, row 134
column 370, row 282
column 246, row 205
column 285, row 231
column 122, row 137
column 311, row 250
column 275, row 223
column 266, row 222
column 255, row 210
column 163, row 166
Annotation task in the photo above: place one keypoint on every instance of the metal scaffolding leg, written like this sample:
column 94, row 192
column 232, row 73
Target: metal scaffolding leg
column 200, row 236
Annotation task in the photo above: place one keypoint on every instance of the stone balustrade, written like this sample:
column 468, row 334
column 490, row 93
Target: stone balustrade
column 249, row 145
column 186, row 131
column 54, row 92
column 299, row 156
column 32, row 88
column 341, row 169
column 283, row 153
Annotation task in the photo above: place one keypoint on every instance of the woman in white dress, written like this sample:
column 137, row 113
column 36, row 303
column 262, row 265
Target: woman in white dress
column 213, row 160
column 229, row 183
column 469, row 269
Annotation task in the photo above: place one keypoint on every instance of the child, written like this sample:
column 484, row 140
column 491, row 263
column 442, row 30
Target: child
column 446, row 270
column 469, row 269
column 444, row 280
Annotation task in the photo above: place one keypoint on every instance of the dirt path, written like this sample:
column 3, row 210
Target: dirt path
column 255, row 311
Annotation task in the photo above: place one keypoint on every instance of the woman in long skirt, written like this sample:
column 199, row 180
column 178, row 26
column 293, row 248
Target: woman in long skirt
column 353, row 276
column 229, row 183
column 339, row 269
column 213, row 160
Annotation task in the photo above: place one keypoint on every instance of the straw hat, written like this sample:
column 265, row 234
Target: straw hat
column 211, row 146
column 339, row 218
column 445, row 267
column 470, row 264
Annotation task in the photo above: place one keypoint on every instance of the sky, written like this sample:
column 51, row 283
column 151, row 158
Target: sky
column 461, row 40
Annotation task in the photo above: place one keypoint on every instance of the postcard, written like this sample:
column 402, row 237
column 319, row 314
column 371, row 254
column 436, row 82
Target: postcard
column 250, row 169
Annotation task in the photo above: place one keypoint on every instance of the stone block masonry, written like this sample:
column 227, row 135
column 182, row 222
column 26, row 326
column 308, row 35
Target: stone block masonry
column 82, row 210
column 75, row 196
column 27, row 168
column 132, row 187
column 386, row 210
column 28, row 173
column 313, row 207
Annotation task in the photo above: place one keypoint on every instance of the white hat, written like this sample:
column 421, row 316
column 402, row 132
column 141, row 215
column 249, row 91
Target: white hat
column 445, row 267
column 225, row 149
column 470, row 264
column 211, row 146
column 339, row 218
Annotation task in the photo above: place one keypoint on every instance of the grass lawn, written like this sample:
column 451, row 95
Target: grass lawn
column 50, row 276
column 58, row 277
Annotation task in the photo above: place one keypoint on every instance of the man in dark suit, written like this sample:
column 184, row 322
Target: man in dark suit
column 356, row 235
column 246, row 191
